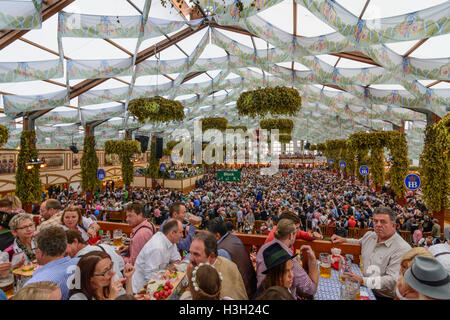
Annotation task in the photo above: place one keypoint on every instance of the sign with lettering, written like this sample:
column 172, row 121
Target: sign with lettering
column 412, row 182
column 331, row 161
column 234, row 176
column 364, row 170
column 101, row 175
column 342, row 164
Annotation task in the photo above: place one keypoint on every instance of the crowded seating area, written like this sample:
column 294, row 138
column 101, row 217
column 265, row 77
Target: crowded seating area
column 230, row 150
column 305, row 225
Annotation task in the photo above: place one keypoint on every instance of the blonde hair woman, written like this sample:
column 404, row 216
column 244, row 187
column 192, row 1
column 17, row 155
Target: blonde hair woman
column 16, row 203
column 402, row 289
column 23, row 228
column 43, row 290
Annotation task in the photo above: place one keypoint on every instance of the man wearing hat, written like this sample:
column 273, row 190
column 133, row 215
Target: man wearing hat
column 427, row 225
column 285, row 236
column 429, row 278
column 441, row 252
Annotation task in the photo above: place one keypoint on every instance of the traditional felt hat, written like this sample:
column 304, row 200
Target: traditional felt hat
column 275, row 255
column 429, row 277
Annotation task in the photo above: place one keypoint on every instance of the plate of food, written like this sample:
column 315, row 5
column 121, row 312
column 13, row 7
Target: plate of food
column 25, row 271
column 162, row 285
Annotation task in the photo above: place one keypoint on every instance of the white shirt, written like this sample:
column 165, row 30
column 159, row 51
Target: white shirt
column 119, row 263
column 156, row 255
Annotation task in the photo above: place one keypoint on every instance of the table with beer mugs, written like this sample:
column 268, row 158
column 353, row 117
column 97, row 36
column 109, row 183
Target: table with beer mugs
column 333, row 286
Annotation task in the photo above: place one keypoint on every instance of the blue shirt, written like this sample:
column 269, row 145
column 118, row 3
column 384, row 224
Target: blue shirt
column 59, row 272
column 3, row 295
column 197, row 203
column 222, row 252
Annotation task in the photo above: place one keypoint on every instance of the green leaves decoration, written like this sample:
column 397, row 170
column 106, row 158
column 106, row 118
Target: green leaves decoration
column 28, row 182
column 156, row 109
column 124, row 149
column 219, row 123
column 89, row 166
column 435, row 163
column 283, row 125
column 153, row 165
column 276, row 101
column 4, row 135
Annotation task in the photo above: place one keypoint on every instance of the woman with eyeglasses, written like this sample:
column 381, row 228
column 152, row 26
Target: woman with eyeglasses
column 23, row 229
column 96, row 278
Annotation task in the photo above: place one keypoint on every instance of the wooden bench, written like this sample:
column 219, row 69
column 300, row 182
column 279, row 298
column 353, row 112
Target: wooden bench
column 117, row 216
column 257, row 226
column 233, row 221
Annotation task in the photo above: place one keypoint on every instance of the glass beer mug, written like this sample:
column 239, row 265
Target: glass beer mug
column 345, row 265
column 117, row 238
column 325, row 265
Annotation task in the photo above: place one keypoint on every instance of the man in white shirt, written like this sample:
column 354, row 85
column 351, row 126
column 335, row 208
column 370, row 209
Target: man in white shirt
column 381, row 251
column 159, row 253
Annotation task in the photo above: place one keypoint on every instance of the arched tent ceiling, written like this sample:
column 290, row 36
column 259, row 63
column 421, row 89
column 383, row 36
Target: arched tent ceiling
column 359, row 65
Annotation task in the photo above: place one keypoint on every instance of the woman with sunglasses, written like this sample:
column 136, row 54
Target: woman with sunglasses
column 23, row 229
column 96, row 278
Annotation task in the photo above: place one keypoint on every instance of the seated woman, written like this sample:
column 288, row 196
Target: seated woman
column 71, row 219
column 43, row 290
column 428, row 277
column 402, row 290
column 23, row 227
column 205, row 283
column 97, row 278
column 279, row 270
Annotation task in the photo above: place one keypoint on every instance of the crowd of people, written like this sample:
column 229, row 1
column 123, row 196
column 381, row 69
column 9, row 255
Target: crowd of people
column 293, row 203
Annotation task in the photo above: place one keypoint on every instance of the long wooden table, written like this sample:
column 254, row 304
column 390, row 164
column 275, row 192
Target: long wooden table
column 250, row 240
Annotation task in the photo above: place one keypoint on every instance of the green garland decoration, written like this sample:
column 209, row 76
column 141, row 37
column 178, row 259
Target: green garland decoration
column 398, row 150
column 435, row 165
column 244, row 128
column 156, row 109
column 28, row 182
column 89, row 166
column 153, row 164
column 219, row 123
column 276, row 101
column 4, row 135
column 285, row 138
column 284, row 126
column 124, row 149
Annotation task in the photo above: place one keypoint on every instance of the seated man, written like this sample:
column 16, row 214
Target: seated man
column 204, row 249
column 77, row 247
column 142, row 232
column 50, row 254
column 304, row 284
column 158, row 253
column 300, row 235
column 178, row 211
column 382, row 251
column 236, row 252
column 51, row 214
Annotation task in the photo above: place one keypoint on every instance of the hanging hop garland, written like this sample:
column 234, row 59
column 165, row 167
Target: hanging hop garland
column 4, row 135
column 276, row 101
column 218, row 123
column 156, row 109
column 89, row 165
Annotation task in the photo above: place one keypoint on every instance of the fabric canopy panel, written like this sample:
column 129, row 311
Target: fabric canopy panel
column 20, row 15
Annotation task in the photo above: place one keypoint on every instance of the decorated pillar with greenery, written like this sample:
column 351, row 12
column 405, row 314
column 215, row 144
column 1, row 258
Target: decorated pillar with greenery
column 153, row 163
column 435, row 168
column 89, row 167
column 398, row 150
column 28, row 181
column 124, row 149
